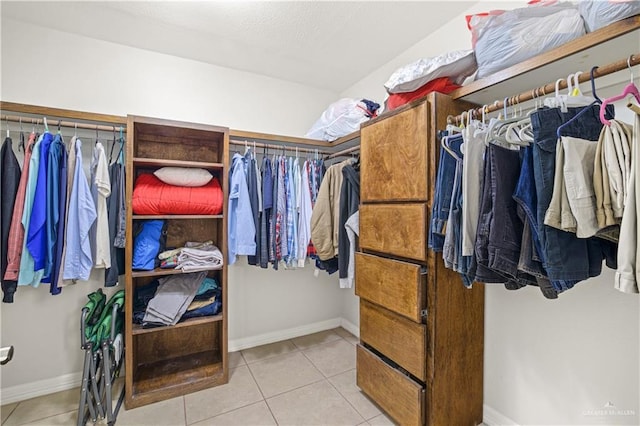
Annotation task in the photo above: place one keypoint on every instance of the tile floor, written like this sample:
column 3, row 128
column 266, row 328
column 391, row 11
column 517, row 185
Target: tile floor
column 309, row 380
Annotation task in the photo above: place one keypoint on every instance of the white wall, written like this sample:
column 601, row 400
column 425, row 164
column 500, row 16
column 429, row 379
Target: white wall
column 52, row 68
column 546, row 362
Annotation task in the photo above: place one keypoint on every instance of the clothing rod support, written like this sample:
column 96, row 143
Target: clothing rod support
column 621, row 65
column 27, row 121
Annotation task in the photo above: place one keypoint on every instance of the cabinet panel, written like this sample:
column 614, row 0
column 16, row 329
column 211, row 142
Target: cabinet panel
column 395, row 229
column 394, row 157
column 398, row 338
column 396, row 285
column 401, row 398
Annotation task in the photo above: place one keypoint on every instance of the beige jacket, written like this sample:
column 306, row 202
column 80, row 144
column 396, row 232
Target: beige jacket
column 326, row 213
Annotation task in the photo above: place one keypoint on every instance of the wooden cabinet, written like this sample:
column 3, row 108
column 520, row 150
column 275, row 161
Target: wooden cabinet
column 420, row 356
column 166, row 362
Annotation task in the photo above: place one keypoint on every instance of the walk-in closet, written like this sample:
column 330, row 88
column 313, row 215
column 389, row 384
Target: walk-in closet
column 320, row 213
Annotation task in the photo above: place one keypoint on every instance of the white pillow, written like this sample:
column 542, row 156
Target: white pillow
column 456, row 65
column 183, row 176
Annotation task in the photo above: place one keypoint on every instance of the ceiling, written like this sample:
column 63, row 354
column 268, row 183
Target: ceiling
column 329, row 45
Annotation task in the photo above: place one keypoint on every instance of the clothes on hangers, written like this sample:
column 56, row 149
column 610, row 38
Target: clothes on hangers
column 12, row 188
column 56, row 210
column 116, row 226
column 627, row 277
column 349, row 223
column 100, row 190
column 241, row 226
column 78, row 261
column 548, row 211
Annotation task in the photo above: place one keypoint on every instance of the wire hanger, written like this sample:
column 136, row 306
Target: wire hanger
column 629, row 90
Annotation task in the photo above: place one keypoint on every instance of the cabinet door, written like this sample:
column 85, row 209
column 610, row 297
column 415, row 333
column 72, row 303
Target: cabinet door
column 398, row 286
column 395, row 229
column 394, row 157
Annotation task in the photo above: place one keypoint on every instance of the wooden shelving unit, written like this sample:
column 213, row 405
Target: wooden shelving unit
column 165, row 362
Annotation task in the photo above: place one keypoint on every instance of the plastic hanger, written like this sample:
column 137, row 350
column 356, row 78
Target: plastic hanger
column 574, row 118
column 629, row 90
column 576, row 98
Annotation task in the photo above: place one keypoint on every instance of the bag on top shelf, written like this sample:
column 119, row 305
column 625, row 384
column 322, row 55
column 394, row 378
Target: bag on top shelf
column 341, row 118
column 598, row 14
column 456, row 65
column 505, row 38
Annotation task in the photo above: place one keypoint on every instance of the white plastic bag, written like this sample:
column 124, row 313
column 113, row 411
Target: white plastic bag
column 339, row 119
column 517, row 35
column 598, row 14
column 456, row 65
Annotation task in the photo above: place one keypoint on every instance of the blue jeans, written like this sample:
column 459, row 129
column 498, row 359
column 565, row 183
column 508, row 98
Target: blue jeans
column 442, row 195
column 567, row 259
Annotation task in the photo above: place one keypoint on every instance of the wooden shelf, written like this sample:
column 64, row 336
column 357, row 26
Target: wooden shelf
column 160, row 162
column 176, row 216
column 603, row 46
column 158, row 272
column 137, row 328
column 176, row 376
column 242, row 135
column 353, row 136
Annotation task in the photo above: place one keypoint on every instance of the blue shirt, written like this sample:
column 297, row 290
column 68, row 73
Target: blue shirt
column 82, row 213
column 27, row 274
column 56, row 200
column 241, row 226
column 37, row 234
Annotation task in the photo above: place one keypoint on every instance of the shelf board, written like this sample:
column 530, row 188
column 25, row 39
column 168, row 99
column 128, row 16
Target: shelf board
column 158, row 272
column 176, row 216
column 176, row 376
column 353, row 136
column 160, row 162
column 603, row 46
column 137, row 328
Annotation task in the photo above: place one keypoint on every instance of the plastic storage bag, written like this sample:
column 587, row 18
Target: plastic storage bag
column 341, row 118
column 147, row 244
column 516, row 35
column 456, row 65
column 598, row 14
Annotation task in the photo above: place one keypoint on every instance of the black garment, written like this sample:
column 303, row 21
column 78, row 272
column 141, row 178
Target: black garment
column 116, row 174
column 9, row 181
column 349, row 204
column 252, row 184
column 265, row 215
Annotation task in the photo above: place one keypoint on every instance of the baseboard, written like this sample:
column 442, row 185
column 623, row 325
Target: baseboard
column 492, row 417
column 350, row 327
column 41, row 387
column 277, row 336
column 69, row 381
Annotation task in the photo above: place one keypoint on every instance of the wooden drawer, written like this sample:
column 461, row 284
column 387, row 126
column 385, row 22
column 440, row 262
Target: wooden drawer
column 402, row 398
column 401, row 340
column 394, row 157
column 396, row 229
column 398, row 286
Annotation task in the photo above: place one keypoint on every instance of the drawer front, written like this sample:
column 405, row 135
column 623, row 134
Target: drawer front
column 398, row 286
column 393, row 157
column 396, row 229
column 401, row 340
column 402, row 398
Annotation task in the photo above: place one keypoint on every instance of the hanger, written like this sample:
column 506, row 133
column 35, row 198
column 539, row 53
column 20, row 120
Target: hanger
column 629, row 90
column 96, row 135
column 593, row 84
column 21, row 144
column 574, row 118
column 576, row 98
column 121, row 141
column 46, row 126
column 6, row 117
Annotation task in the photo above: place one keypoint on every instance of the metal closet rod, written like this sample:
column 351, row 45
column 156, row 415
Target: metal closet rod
column 549, row 88
column 344, row 152
column 26, row 121
column 277, row 147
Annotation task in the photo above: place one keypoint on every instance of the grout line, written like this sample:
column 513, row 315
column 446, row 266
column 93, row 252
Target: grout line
column 43, row 418
column 184, row 407
column 262, row 393
column 346, row 399
column 12, row 411
column 295, row 349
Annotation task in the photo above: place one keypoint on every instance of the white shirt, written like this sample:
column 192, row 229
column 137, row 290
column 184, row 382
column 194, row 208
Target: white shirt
column 103, row 184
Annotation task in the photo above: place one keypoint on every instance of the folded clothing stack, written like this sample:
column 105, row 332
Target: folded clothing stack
column 203, row 258
column 174, row 295
column 208, row 301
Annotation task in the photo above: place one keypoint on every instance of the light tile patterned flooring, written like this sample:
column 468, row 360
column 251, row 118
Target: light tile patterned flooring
column 309, row 380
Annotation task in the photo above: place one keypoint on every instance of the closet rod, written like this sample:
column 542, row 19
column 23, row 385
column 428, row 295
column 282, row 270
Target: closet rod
column 26, row 121
column 549, row 88
column 344, row 152
column 277, row 147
